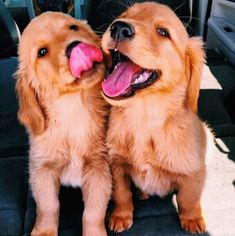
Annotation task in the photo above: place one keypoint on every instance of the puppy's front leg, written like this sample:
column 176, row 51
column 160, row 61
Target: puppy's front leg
column 96, row 191
column 45, row 186
column 188, row 200
column 122, row 215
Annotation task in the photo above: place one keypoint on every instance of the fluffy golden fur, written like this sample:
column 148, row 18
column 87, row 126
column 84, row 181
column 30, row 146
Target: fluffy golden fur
column 155, row 137
column 66, row 120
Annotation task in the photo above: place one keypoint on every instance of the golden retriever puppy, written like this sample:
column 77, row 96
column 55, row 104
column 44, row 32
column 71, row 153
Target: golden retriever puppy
column 155, row 137
column 60, row 103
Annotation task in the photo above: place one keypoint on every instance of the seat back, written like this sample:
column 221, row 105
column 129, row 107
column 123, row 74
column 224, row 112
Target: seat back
column 9, row 33
column 102, row 13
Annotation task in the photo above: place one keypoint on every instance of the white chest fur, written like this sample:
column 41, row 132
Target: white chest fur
column 179, row 148
column 73, row 121
column 66, row 139
column 70, row 119
column 72, row 173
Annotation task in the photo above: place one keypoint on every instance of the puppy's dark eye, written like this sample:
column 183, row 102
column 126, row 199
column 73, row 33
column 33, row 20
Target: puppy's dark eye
column 73, row 27
column 42, row 52
column 163, row 32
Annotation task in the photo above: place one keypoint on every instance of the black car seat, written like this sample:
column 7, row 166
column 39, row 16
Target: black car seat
column 9, row 33
column 102, row 13
column 13, row 139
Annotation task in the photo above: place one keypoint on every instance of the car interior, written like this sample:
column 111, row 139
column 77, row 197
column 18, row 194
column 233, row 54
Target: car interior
column 214, row 21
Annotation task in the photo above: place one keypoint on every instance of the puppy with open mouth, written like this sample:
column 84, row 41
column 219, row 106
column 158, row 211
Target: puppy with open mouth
column 60, row 103
column 155, row 137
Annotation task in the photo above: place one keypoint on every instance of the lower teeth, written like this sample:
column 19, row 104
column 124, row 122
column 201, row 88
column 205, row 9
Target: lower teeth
column 140, row 79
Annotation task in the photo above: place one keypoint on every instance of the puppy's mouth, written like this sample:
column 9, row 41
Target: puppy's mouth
column 83, row 58
column 126, row 77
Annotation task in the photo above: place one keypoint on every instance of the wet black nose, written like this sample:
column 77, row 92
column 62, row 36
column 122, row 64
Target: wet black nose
column 121, row 31
column 70, row 47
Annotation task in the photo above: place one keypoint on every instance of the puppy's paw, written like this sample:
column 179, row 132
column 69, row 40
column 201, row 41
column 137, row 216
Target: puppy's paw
column 120, row 220
column 196, row 225
column 44, row 232
column 142, row 195
column 94, row 231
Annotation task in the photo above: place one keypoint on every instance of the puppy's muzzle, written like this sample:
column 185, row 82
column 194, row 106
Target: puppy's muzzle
column 70, row 47
column 121, row 31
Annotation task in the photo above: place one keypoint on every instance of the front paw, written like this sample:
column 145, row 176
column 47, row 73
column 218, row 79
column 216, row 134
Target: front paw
column 196, row 225
column 51, row 231
column 94, row 231
column 120, row 220
column 45, row 225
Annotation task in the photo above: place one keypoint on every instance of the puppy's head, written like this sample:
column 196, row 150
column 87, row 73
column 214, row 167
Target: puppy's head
column 151, row 54
column 57, row 55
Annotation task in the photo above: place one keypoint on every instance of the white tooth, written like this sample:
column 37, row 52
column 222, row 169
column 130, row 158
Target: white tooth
column 115, row 49
column 140, row 78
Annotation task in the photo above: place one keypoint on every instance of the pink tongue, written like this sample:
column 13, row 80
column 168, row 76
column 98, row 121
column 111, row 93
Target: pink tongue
column 82, row 58
column 120, row 80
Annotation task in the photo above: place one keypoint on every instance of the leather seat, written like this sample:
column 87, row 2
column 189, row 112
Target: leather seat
column 9, row 33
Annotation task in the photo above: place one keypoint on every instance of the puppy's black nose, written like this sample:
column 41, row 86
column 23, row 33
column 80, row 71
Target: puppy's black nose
column 70, row 47
column 121, row 31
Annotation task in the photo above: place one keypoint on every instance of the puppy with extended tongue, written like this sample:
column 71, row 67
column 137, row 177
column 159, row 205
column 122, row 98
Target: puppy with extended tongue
column 60, row 104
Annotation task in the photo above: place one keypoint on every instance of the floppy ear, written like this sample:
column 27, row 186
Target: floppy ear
column 194, row 64
column 30, row 113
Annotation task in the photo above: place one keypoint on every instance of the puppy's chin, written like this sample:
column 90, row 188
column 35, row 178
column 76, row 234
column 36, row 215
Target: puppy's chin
column 88, row 80
column 117, row 102
column 126, row 101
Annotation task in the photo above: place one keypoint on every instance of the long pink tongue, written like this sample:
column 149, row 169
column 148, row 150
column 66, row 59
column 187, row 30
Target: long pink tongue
column 120, row 80
column 82, row 58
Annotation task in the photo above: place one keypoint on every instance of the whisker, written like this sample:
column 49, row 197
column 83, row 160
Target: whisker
column 102, row 4
column 129, row 3
column 105, row 25
column 111, row 17
column 179, row 6
column 195, row 18
column 124, row 4
column 191, row 28
column 99, row 31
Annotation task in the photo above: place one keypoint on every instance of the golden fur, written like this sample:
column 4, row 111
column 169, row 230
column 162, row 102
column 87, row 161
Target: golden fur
column 66, row 120
column 155, row 137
